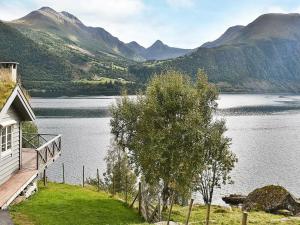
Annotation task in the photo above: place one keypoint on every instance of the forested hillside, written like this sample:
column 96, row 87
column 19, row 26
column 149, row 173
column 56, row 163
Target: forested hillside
column 70, row 29
column 47, row 69
column 261, row 57
column 59, row 55
column 37, row 63
column 66, row 57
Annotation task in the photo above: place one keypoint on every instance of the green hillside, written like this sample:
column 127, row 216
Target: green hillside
column 56, row 52
column 261, row 57
column 48, row 67
column 69, row 28
column 59, row 55
column 37, row 63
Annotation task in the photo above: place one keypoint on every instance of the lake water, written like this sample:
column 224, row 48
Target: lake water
column 265, row 132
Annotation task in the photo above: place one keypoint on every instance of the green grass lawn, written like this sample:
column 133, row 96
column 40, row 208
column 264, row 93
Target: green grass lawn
column 60, row 204
column 225, row 216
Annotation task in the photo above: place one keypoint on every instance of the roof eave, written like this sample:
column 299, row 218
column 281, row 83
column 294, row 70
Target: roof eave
column 17, row 92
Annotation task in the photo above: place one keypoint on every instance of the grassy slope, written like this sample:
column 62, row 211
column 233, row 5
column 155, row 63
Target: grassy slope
column 5, row 91
column 60, row 204
column 223, row 216
column 36, row 63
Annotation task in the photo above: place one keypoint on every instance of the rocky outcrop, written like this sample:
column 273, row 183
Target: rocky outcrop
column 234, row 199
column 272, row 199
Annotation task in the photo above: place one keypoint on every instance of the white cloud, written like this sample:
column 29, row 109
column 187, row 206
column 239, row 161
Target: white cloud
column 181, row 3
column 275, row 9
column 12, row 11
column 102, row 9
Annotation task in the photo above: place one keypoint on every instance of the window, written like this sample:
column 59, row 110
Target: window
column 6, row 140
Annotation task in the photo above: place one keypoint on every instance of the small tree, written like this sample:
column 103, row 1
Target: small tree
column 164, row 129
column 219, row 161
column 118, row 177
column 30, row 130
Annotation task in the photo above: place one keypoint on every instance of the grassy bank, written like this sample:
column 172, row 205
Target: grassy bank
column 60, row 204
column 226, row 216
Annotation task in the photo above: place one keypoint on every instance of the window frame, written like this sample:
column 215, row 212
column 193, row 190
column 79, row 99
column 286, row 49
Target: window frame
column 8, row 151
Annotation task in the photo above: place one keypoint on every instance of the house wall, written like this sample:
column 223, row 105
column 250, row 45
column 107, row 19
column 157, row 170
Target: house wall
column 10, row 164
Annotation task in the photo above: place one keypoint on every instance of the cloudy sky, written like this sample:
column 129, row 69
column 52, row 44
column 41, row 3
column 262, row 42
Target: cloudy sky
column 181, row 23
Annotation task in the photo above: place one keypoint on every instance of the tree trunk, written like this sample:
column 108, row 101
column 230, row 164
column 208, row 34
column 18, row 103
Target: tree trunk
column 165, row 197
column 171, row 206
column 207, row 214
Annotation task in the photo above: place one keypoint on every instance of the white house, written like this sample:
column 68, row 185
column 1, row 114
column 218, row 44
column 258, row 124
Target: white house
column 21, row 159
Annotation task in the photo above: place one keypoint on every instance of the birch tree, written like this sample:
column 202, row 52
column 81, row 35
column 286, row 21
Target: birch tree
column 219, row 161
column 164, row 129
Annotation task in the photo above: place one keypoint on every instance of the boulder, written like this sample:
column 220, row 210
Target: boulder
column 234, row 199
column 271, row 199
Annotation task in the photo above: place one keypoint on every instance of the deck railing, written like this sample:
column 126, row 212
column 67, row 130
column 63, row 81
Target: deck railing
column 47, row 147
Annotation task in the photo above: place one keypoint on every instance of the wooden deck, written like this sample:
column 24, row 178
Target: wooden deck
column 21, row 179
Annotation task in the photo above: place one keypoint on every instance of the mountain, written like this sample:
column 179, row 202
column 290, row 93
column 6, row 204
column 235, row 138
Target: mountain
column 267, row 26
column 158, row 51
column 62, row 56
column 229, row 35
column 94, row 61
column 69, row 28
column 36, row 63
column 94, row 40
column 136, row 47
column 260, row 57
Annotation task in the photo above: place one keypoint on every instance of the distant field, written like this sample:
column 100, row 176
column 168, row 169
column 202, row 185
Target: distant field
column 102, row 80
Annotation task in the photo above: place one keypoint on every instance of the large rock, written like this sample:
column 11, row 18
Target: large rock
column 234, row 199
column 271, row 199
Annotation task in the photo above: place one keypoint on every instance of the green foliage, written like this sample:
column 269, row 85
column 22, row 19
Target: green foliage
column 52, row 88
column 118, row 177
column 164, row 129
column 219, row 161
column 29, row 127
column 29, row 130
column 61, row 204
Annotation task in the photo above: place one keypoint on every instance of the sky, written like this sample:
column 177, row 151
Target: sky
column 179, row 23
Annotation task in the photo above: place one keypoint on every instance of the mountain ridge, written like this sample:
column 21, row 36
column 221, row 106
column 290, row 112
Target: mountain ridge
column 70, row 28
column 158, row 50
column 228, row 35
column 266, row 26
column 260, row 57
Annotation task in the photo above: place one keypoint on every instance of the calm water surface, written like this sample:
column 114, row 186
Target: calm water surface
column 265, row 132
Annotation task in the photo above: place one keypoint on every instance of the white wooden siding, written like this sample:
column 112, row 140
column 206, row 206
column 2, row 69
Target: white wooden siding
column 10, row 164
